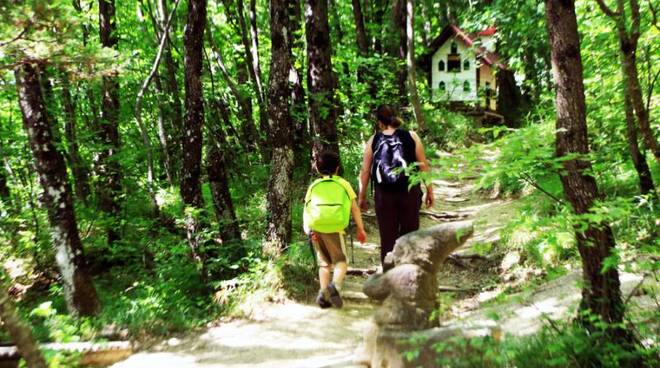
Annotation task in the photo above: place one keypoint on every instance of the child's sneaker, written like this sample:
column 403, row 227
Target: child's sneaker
column 322, row 301
column 335, row 298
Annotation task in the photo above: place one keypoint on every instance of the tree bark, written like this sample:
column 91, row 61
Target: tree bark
column 322, row 108
column 278, row 232
column 399, row 48
column 20, row 333
column 360, row 32
column 191, row 189
column 254, row 50
column 79, row 291
column 628, row 42
column 410, row 62
column 298, row 107
column 509, row 98
column 78, row 167
column 174, row 111
column 109, row 188
column 217, row 165
column 380, row 6
column 4, row 188
column 601, row 293
column 646, row 185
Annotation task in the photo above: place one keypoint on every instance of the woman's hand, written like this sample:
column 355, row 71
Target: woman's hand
column 361, row 235
column 429, row 196
column 362, row 202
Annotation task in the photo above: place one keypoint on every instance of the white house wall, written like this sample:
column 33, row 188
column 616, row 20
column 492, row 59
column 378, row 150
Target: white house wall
column 454, row 81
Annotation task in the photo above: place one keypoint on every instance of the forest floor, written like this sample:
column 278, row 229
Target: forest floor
column 479, row 289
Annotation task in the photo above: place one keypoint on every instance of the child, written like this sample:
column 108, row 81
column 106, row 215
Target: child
column 328, row 204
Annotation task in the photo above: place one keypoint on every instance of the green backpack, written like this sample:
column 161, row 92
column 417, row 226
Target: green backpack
column 327, row 205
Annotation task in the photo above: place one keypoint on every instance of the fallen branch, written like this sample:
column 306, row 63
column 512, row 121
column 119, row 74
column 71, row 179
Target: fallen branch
column 456, row 289
column 456, row 261
column 361, row 271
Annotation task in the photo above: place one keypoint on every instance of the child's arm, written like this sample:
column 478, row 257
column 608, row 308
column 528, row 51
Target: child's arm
column 361, row 235
column 365, row 173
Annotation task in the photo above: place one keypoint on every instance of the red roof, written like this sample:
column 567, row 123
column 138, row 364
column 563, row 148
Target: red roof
column 488, row 31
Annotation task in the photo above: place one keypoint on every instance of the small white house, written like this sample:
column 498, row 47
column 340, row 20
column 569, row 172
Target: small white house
column 463, row 66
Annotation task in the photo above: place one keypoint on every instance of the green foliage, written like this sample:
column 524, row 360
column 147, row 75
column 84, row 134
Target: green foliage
column 557, row 344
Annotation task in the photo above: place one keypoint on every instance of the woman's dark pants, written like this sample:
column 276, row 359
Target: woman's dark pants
column 398, row 214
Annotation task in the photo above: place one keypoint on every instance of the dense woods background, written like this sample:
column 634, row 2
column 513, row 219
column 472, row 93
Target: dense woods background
column 155, row 152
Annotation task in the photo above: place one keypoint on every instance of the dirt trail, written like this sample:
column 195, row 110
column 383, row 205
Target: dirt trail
column 297, row 334
column 294, row 334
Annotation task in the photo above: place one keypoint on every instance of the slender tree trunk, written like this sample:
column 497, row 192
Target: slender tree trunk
column 634, row 89
column 278, row 232
column 4, row 188
column 638, row 158
column 320, row 82
column 20, row 333
column 217, row 164
column 263, row 103
column 380, row 7
column 109, row 188
column 191, row 189
column 360, row 32
column 78, row 167
column 164, row 129
column 175, row 115
column 601, row 293
column 298, row 107
column 410, row 62
column 400, row 47
column 79, row 291
column 248, row 128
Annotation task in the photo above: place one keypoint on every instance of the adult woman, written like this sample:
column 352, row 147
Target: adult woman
column 397, row 205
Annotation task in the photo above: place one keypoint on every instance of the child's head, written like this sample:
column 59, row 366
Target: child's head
column 385, row 115
column 327, row 163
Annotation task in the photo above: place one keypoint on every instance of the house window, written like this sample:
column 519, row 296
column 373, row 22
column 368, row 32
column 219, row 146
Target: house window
column 442, row 87
column 466, row 86
column 466, row 65
column 454, row 63
column 454, row 48
column 441, row 65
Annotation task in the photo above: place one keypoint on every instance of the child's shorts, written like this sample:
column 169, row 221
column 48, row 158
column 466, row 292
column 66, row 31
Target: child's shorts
column 330, row 248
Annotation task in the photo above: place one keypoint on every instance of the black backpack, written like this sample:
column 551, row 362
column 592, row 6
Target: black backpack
column 389, row 163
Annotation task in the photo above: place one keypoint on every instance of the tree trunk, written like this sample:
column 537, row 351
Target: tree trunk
column 638, row 158
column 171, row 87
column 400, row 47
column 298, row 107
column 601, row 293
column 219, row 178
column 410, row 62
column 20, row 333
column 191, row 189
column 278, row 232
column 78, row 167
column 4, row 189
column 379, row 13
column 508, row 97
column 360, row 32
column 109, row 187
column 79, row 291
column 320, row 82
column 254, row 50
column 634, row 90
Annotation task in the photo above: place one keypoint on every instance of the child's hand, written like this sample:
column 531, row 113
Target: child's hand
column 361, row 236
column 315, row 238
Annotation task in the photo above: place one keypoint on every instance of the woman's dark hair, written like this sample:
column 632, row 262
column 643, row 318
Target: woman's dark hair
column 327, row 162
column 385, row 114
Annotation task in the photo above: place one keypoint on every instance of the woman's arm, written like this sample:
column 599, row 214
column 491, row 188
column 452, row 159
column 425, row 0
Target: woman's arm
column 420, row 156
column 365, row 173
